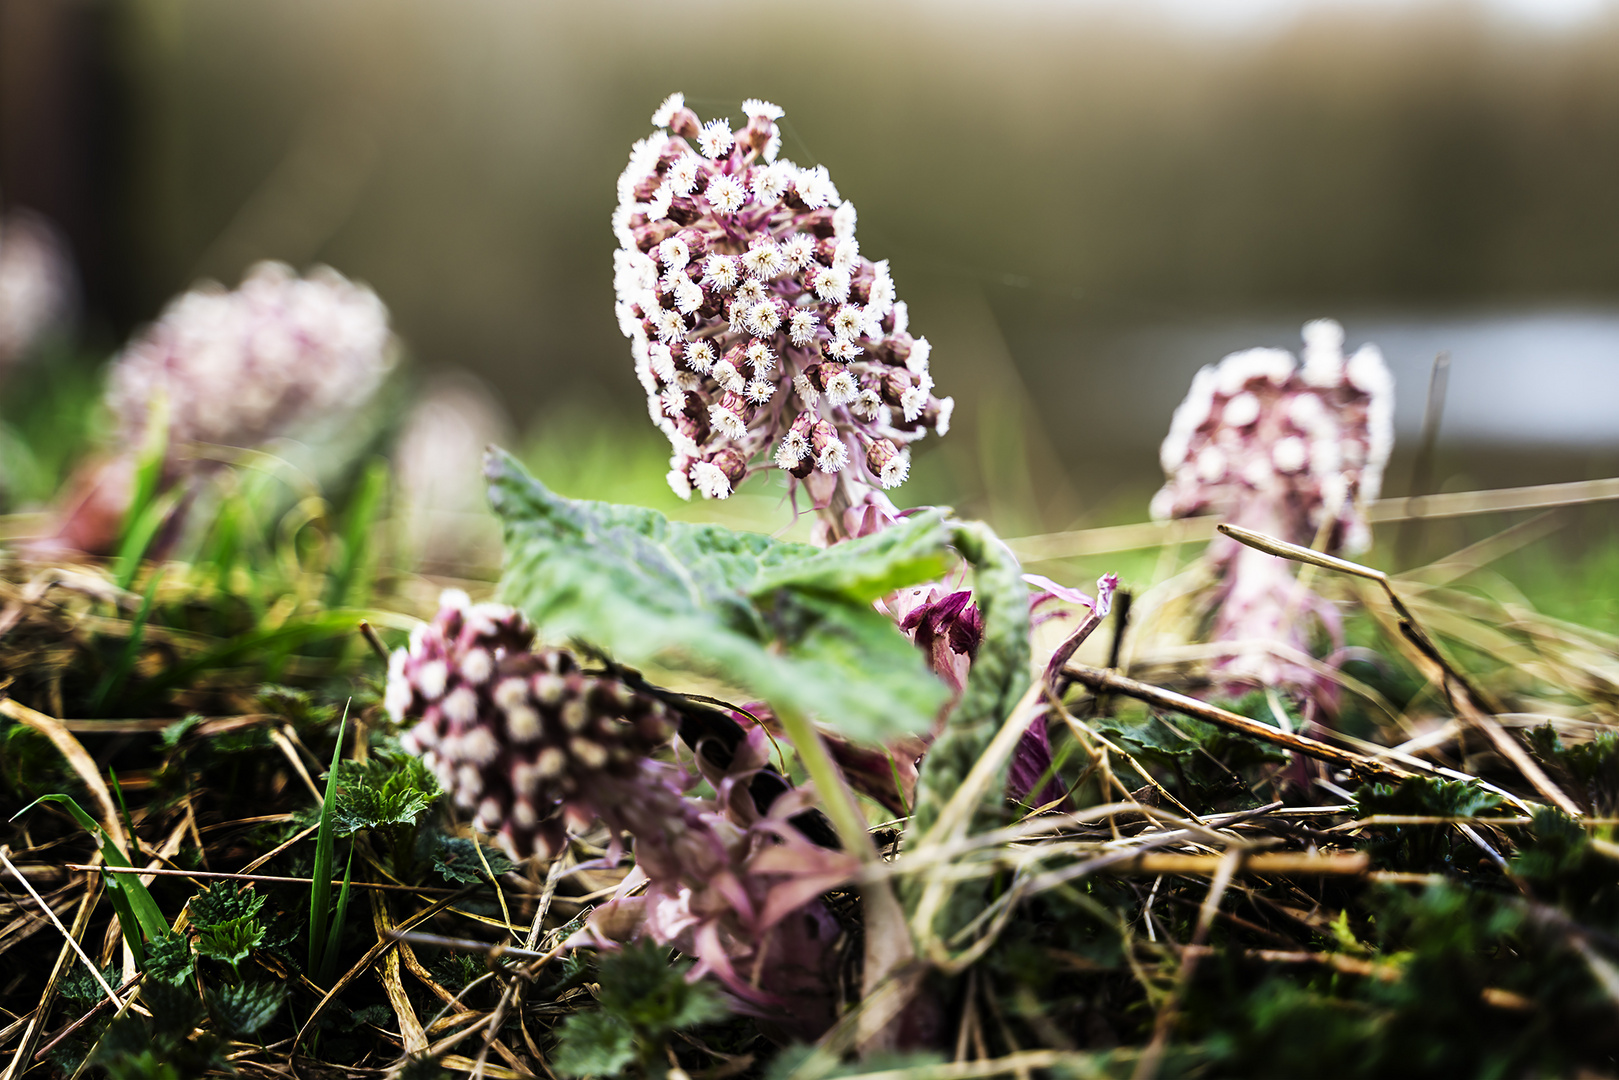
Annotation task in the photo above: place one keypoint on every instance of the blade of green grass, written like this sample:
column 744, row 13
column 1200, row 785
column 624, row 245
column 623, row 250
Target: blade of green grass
column 137, row 911
column 148, row 467
column 320, row 891
column 139, row 532
column 334, row 937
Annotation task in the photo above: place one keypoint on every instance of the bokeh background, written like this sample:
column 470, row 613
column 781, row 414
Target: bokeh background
column 1082, row 200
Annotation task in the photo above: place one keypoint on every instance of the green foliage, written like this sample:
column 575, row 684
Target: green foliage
column 137, row 912
column 386, row 789
column 1588, row 771
column 594, row 1044
column 1201, row 764
column 1559, row 862
column 243, row 1009
column 227, row 922
column 791, row 623
column 170, row 959
column 163, row 1047
column 80, row 987
column 999, row 675
column 1423, row 848
column 644, row 999
column 456, row 860
column 320, row 890
column 812, row 1063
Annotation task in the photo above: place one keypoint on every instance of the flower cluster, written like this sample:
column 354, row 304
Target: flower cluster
column 760, row 332
column 242, row 367
column 37, row 286
column 518, row 735
column 1302, row 444
column 1293, row 449
column 532, row 743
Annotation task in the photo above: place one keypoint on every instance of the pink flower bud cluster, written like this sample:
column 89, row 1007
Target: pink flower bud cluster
column 242, row 367
column 518, row 735
column 1307, row 441
column 1292, row 449
column 761, row 334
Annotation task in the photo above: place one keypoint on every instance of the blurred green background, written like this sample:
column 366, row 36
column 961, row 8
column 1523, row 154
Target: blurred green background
column 1082, row 202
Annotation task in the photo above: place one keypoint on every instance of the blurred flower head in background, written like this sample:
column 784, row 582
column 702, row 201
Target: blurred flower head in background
column 38, row 285
column 1293, row 448
column 239, row 368
column 760, row 332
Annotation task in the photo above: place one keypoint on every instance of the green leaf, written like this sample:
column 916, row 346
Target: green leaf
column 169, row 959
column 334, row 937
column 998, row 678
column 227, row 922
column 222, row 903
column 245, row 1008
column 593, row 1044
column 641, row 987
column 388, row 789
column 456, row 860
column 790, row 623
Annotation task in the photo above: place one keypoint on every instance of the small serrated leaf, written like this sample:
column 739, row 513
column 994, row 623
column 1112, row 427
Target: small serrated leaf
column 245, row 1008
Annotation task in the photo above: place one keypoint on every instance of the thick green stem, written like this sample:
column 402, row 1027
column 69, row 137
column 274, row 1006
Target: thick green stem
column 836, row 798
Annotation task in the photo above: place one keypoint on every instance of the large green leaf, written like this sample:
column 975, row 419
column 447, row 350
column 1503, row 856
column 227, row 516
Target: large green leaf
column 790, row 623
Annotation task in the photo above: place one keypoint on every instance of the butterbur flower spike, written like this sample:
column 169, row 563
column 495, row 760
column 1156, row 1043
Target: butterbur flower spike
column 242, row 367
column 738, row 275
column 518, row 735
column 1288, row 448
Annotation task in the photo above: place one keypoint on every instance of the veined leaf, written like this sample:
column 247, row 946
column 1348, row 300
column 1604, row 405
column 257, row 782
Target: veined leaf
column 791, row 623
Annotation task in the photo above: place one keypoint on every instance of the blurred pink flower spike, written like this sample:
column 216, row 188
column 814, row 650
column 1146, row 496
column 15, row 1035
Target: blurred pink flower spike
column 762, row 336
column 1294, row 449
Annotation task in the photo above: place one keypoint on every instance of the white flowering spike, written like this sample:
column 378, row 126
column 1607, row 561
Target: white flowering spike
column 683, row 174
column 530, row 740
column 738, row 277
column 1294, row 450
column 38, row 286
column 801, row 328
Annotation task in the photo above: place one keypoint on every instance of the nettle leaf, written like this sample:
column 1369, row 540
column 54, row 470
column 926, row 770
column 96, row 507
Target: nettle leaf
column 456, row 860
column 791, row 623
column 169, row 959
column 593, row 1044
column 245, row 1008
column 388, row 789
column 227, row 922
